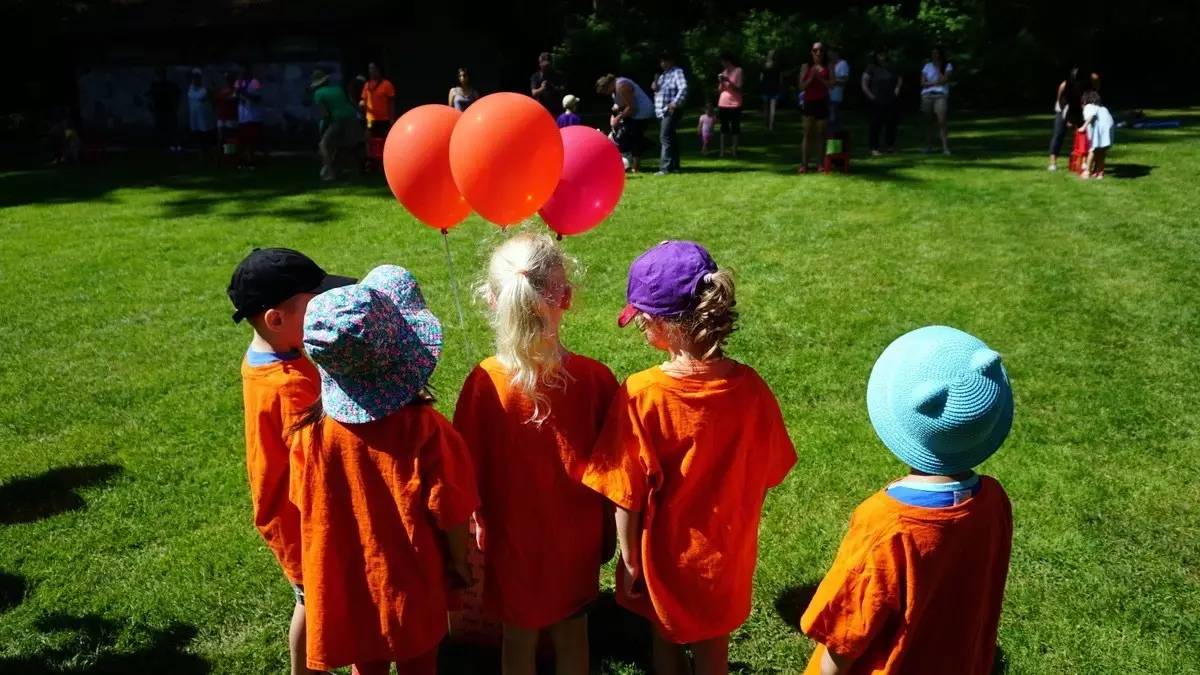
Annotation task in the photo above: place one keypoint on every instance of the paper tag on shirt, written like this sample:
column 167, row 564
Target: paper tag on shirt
column 961, row 496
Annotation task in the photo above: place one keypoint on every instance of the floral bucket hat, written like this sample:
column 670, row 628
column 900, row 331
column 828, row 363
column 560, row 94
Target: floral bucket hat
column 375, row 344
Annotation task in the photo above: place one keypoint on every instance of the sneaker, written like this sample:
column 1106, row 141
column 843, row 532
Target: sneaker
column 876, row 153
column 946, row 151
column 803, row 169
column 660, row 172
column 1052, row 167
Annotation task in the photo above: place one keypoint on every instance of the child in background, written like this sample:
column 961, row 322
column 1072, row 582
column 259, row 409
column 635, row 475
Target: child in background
column 687, row 454
column 1098, row 123
column 705, row 127
column 918, row 582
column 568, row 118
column 384, row 483
column 271, row 289
column 530, row 415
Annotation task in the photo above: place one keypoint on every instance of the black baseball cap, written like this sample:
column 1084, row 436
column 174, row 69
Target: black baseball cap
column 268, row 276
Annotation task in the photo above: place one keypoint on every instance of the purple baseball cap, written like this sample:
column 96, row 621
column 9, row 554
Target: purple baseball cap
column 663, row 280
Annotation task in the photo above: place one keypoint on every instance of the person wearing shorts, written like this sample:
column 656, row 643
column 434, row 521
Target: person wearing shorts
column 248, row 91
column 815, row 82
column 632, row 111
column 729, row 102
column 935, row 98
column 340, row 130
column 226, row 107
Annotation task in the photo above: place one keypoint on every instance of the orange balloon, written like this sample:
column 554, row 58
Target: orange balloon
column 416, row 161
column 506, row 156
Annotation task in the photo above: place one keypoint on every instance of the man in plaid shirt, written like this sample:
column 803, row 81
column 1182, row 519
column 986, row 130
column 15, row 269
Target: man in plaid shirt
column 670, row 91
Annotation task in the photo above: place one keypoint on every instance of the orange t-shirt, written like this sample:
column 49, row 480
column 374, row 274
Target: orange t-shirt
column 274, row 395
column 543, row 530
column 377, row 98
column 915, row 589
column 373, row 498
column 696, row 456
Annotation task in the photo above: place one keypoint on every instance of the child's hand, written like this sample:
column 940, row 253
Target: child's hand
column 479, row 536
column 632, row 580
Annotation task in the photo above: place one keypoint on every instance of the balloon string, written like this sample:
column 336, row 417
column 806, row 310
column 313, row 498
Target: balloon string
column 462, row 326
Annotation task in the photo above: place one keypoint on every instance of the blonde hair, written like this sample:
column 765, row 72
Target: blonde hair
column 707, row 328
column 526, row 277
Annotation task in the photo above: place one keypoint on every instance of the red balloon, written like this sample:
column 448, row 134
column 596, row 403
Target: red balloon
column 593, row 178
column 506, row 157
column 416, row 161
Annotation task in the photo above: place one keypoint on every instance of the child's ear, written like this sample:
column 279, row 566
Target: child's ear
column 273, row 319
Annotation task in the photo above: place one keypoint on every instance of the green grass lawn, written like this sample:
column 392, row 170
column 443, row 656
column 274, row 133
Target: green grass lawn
column 126, row 543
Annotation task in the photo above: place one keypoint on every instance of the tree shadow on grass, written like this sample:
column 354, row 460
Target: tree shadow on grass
column 792, row 601
column 13, row 589
column 95, row 645
column 27, row 500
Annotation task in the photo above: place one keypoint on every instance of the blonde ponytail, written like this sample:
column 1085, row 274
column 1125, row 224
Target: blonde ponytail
column 527, row 278
column 709, row 325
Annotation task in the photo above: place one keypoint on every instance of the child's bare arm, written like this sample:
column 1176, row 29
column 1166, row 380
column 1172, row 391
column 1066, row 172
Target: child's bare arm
column 456, row 545
column 629, row 538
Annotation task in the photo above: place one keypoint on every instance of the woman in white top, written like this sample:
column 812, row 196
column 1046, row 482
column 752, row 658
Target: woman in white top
column 935, row 94
column 463, row 95
column 200, row 113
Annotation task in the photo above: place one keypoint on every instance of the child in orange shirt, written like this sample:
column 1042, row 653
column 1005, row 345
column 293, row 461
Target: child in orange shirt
column 271, row 289
column 687, row 454
column 530, row 415
column 918, row 582
column 383, row 482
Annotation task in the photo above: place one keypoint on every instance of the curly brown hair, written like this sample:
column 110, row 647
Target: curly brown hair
column 709, row 325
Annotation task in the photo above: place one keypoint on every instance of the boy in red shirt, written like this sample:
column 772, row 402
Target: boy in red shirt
column 271, row 289
column 918, row 582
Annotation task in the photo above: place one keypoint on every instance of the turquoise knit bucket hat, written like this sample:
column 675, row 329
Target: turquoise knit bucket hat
column 375, row 344
column 940, row 400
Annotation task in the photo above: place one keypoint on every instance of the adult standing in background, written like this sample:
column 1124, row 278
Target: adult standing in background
column 729, row 101
column 248, row 91
column 378, row 101
column 815, row 82
column 837, row 93
column 227, row 116
column 770, row 86
column 339, row 125
column 881, row 86
column 464, row 94
column 164, row 106
column 935, row 98
column 1068, row 113
column 545, row 85
column 670, row 91
column 632, row 111
column 200, row 113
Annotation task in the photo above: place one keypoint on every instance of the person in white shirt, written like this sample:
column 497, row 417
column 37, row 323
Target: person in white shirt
column 1098, row 123
column 935, row 95
column 837, row 93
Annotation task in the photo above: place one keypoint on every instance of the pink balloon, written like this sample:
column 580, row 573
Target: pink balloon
column 593, row 178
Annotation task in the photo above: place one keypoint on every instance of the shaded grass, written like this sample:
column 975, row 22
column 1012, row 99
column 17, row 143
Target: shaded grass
column 116, row 351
